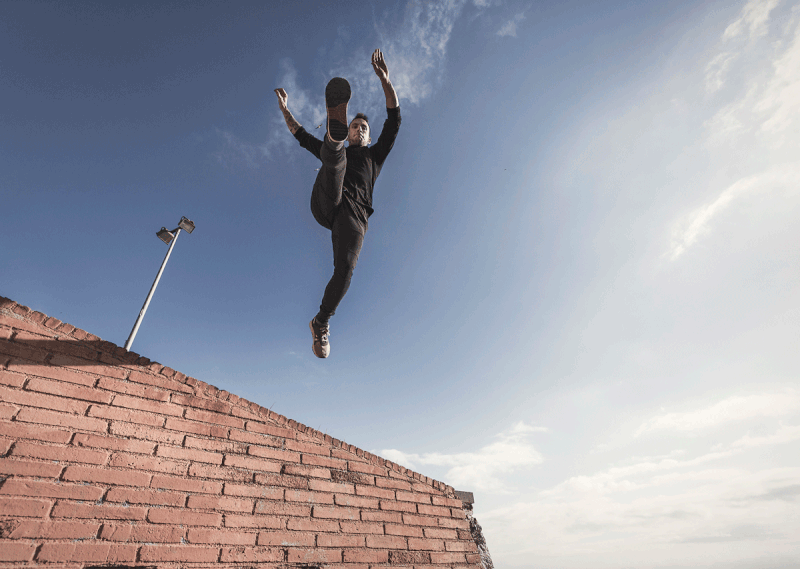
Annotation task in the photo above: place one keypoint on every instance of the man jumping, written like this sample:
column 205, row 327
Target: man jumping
column 341, row 199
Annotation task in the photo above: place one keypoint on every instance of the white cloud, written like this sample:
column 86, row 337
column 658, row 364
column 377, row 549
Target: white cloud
column 731, row 409
column 483, row 469
column 510, row 27
column 753, row 19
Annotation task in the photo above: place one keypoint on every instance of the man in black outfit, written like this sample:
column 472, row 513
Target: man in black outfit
column 341, row 199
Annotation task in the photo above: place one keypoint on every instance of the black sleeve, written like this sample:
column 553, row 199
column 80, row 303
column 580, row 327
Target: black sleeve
column 386, row 140
column 308, row 141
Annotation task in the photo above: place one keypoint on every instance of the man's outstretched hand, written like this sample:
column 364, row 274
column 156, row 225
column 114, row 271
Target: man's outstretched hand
column 282, row 98
column 379, row 65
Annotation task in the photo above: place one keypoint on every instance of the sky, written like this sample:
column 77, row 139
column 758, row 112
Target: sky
column 578, row 295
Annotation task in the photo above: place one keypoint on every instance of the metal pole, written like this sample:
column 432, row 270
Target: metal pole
column 150, row 294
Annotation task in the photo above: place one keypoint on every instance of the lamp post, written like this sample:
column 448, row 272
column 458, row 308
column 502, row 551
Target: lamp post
column 166, row 237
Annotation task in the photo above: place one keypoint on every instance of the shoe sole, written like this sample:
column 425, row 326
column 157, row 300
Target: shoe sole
column 314, row 343
column 337, row 95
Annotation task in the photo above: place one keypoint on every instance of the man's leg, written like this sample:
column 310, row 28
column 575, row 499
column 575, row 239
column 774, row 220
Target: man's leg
column 347, row 237
column 326, row 196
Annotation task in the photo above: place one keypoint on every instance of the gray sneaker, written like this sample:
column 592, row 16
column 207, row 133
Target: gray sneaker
column 320, row 332
column 337, row 95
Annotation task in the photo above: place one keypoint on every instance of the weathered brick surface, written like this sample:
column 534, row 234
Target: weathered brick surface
column 110, row 459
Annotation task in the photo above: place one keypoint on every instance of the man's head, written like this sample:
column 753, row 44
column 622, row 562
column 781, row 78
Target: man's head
column 358, row 134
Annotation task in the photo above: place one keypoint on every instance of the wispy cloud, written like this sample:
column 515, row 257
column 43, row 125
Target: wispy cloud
column 759, row 120
column 731, row 409
column 485, row 468
column 510, row 27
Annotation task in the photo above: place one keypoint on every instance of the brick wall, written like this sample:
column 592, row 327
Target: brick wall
column 110, row 460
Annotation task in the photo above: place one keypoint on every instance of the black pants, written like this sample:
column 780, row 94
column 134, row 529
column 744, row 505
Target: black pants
column 347, row 233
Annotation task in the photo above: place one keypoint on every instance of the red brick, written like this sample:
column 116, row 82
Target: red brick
column 199, row 403
column 315, row 555
column 40, row 416
column 386, row 542
column 116, row 532
column 425, row 488
column 30, row 399
column 91, row 552
column 474, row 559
column 149, row 497
column 97, row 512
column 147, row 433
column 374, row 492
column 183, row 517
column 7, row 411
column 185, row 485
column 69, row 390
column 412, row 520
column 468, row 546
column 450, row 502
column 55, row 530
column 222, row 503
column 15, row 551
column 24, row 507
column 252, row 463
column 17, row 430
column 451, row 523
column 457, row 513
column 135, row 389
column 154, row 380
column 221, row 536
column 189, row 454
column 285, row 481
column 448, row 558
column 178, row 553
column 40, row 489
column 391, row 505
column 251, row 554
column 5, row 445
column 362, row 527
column 188, row 426
column 392, row 483
column 417, row 558
column 126, row 415
column 148, row 463
column 263, row 428
column 308, row 471
column 315, row 460
column 220, row 473
column 332, row 540
column 433, row 510
column 307, row 448
column 49, row 452
column 343, row 454
column 147, row 533
column 354, row 466
column 335, row 487
column 267, row 452
column 311, row 525
column 359, row 555
column 408, row 531
column 349, row 500
column 215, row 445
column 211, row 417
column 28, row 468
column 11, row 379
column 60, row 361
column 22, row 351
column 425, row 544
column 268, row 507
column 245, row 521
column 107, row 476
column 138, row 403
column 392, row 517
column 113, row 443
column 254, row 491
column 441, row 533
column 309, row 497
column 335, row 513
column 412, row 497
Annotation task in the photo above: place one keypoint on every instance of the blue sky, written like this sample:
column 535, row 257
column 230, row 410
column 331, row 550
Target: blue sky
column 578, row 296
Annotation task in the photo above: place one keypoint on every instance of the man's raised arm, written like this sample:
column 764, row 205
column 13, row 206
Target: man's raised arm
column 382, row 71
column 293, row 125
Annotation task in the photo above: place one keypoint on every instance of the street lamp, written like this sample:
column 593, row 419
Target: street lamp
column 167, row 237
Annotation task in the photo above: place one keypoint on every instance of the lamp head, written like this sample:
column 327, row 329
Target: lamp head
column 165, row 235
column 186, row 224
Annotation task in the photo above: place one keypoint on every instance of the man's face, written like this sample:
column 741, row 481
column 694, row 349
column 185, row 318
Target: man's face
column 358, row 134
